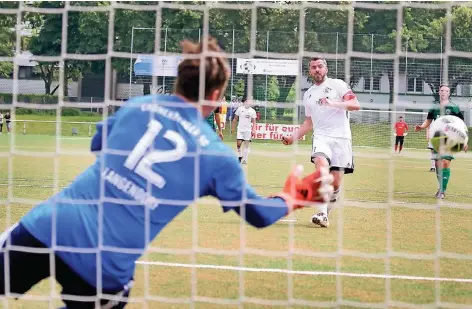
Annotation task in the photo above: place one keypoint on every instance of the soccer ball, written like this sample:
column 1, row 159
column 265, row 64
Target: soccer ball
column 448, row 134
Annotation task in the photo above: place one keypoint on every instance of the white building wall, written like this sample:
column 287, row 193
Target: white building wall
column 33, row 86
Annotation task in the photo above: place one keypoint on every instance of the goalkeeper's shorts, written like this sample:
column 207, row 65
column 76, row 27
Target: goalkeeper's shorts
column 26, row 269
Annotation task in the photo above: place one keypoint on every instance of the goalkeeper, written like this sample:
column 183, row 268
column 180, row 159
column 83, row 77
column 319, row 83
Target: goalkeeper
column 157, row 155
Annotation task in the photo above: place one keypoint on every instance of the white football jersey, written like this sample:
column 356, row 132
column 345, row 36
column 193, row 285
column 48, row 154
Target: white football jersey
column 328, row 121
column 246, row 115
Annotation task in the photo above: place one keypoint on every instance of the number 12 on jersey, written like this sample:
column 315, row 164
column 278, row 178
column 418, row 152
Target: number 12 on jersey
column 142, row 158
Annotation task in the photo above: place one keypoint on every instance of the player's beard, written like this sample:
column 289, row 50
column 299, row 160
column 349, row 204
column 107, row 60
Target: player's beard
column 318, row 77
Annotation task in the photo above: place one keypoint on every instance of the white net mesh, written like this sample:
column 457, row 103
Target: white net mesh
column 66, row 65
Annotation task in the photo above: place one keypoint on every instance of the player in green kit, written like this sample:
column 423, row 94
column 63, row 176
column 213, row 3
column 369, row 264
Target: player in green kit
column 442, row 162
column 214, row 120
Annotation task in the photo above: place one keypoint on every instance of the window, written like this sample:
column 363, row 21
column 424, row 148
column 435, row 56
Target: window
column 415, row 115
column 372, row 83
column 25, row 72
column 419, row 85
column 376, row 83
column 411, row 84
column 466, row 91
column 367, row 83
column 415, row 85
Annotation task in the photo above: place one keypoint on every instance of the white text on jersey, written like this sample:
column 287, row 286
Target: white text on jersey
column 175, row 116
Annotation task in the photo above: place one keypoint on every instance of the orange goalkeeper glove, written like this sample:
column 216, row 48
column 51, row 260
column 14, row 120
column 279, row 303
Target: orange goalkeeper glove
column 314, row 188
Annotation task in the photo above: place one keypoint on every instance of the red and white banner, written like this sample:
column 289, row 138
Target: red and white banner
column 275, row 131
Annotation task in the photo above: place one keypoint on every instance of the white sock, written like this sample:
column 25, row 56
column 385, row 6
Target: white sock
column 330, row 207
column 246, row 151
column 433, row 162
column 335, row 194
column 322, row 208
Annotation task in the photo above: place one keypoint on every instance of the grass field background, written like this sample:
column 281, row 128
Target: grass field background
column 424, row 237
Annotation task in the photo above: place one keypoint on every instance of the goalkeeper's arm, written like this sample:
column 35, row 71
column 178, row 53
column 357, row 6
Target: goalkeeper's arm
column 260, row 211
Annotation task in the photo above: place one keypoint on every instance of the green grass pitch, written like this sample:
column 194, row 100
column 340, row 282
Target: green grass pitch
column 362, row 232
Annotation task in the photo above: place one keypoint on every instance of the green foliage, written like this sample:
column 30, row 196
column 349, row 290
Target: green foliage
column 273, row 91
column 46, row 42
column 238, row 88
column 69, row 111
column 66, row 112
column 87, row 34
column 277, row 28
column 7, row 98
column 291, row 94
column 7, row 39
column 6, row 68
column 424, row 31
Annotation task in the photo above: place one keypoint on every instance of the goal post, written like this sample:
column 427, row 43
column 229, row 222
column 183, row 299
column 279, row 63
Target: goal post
column 374, row 128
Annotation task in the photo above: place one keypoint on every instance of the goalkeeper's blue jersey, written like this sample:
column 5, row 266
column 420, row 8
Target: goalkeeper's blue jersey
column 158, row 156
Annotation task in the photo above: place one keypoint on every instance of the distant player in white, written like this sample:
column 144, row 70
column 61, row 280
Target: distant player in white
column 245, row 116
column 327, row 106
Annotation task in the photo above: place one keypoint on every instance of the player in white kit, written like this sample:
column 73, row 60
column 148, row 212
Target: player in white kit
column 327, row 105
column 245, row 116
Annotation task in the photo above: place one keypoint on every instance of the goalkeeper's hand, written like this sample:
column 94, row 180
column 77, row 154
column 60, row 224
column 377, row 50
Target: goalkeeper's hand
column 314, row 188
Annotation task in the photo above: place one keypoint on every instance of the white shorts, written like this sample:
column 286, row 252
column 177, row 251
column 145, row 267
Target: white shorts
column 244, row 135
column 338, row 151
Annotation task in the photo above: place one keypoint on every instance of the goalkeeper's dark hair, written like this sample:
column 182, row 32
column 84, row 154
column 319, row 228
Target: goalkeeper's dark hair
column 217, row 70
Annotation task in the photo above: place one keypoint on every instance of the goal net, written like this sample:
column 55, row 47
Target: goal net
column 390, row 244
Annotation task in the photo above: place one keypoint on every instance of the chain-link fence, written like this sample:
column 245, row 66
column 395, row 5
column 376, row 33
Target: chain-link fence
column 419, row 78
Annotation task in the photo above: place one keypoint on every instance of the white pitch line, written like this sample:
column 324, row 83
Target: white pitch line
column 305, row 272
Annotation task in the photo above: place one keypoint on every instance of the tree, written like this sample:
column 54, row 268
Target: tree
column 47, row 42
column 7, row 38
column 325, row 31
column 87, row 34
column 460, row 69
column 6, row 43
column 371, row 38
column 279, row 25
